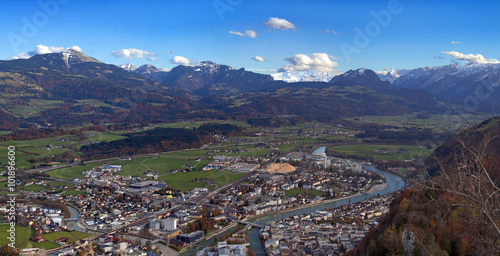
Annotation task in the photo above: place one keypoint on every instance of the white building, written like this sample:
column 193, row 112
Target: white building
column 170, row 224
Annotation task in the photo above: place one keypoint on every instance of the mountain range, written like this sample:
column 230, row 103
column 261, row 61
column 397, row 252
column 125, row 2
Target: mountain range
column 207, row 78
column 71, row 89
column 472, row 86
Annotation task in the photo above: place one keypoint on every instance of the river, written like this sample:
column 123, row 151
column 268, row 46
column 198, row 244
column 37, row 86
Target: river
column 320, row 150
column 394, row 183
column 73, row 225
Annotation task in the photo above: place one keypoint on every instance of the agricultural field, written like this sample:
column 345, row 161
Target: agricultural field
column 38, row 148
column 53, row 185
column 34, row 107
column 94, row 136
column 196, row 124
column 162, row 164
column 286, row 148
column 384, row 152
column 72, row 172
column 47, row 245
column 435, row 122
column 23, row 234
column 187, row 181
column 27, row 149
column 73, row 236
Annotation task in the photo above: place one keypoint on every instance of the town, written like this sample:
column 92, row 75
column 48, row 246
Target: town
column 122, row 207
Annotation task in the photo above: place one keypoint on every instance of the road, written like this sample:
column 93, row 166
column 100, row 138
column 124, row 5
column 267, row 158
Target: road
column 149, row 216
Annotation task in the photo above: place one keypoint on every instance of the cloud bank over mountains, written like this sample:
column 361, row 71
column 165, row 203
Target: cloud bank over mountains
column 42, row 49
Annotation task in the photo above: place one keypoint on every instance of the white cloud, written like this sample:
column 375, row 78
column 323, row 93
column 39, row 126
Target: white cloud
column 329, row 31
column 236, row 33
column 279, row 24
column 455, row 42
column 385, row 71
column 249, row 33
column 42, row 49
column 180, row 60
column 478, row 58
column 152, row 58
column 132, row 53
column 259, row 59
column 321, row 62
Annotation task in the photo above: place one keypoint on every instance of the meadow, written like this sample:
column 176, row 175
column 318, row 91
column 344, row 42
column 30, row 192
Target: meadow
column 164, row 163
column 23, row 234
column 412, row 152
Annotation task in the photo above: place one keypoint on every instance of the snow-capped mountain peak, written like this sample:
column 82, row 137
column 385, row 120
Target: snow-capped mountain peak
column 354, row 73
column 210, row 67
column 392, row 74
column 302, row 76
column 146, row 69
column 71, row 57
column 128, row 66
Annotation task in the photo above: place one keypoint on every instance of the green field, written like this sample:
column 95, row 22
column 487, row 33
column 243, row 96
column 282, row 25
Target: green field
column 412, row 152
column 73, row 236
column 103, row 136
column 252, row 151
column 72, row 172
column 79, row 235
column 197, row 124
column 36, row 188
column 295, row 192
column 37, row 148
column 23, row 234
column 137, row 166
column 53, row 185
column 34, row 149
column 47, row 245
column 186, row 181
column 163, row 164
column 435, row 122
column 287, row 148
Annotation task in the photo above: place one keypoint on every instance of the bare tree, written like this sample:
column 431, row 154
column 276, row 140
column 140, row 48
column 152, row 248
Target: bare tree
column 467, row 181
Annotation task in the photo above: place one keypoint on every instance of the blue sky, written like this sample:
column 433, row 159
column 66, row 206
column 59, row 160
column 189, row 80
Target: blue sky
column 316, row 34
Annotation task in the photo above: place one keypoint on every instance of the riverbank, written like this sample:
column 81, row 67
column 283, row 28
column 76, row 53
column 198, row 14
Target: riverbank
column 372, row 190
column 186, row 250
column 376, row 188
